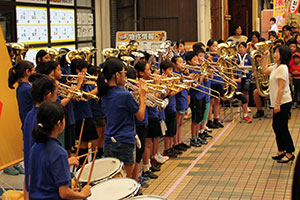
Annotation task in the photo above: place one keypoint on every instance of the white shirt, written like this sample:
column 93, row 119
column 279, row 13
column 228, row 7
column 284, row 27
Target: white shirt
column 280, row 72
column 274, row 28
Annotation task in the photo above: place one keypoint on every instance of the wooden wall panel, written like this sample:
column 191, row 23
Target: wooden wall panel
column 216, row 19
column 177, row 17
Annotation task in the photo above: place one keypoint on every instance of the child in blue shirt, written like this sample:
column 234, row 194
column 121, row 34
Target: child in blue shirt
column 120, row 108
column 20, row 73
column 182, row 104
column 49, row 167
column 166, row 68
column 83, row 110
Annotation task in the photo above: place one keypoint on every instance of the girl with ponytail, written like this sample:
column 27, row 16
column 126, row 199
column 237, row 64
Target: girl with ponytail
column 120, row 108
column 49, row 170
column 20, row 73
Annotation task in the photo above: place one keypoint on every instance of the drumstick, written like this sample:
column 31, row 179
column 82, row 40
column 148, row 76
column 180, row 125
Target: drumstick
column 92, row 167
column 79, row 142
column 81, row 170
column 85, row 154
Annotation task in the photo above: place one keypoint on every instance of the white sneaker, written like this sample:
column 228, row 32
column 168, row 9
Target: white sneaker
column 248, row 110
column 159, row 159
column 163, row 157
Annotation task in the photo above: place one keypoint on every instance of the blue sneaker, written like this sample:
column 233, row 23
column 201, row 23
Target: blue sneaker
column 11, row 171
column 20, row 168
column 143, row 178
column 143, row 183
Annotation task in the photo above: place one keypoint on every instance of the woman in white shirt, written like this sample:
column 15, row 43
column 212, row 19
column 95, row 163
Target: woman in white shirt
column 281, row 101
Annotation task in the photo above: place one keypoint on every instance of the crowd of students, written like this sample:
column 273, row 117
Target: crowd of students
column 112, row 123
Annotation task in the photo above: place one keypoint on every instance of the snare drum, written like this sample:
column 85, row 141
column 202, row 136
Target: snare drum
column 148, row 197
column 117, row 188
column 104, row 168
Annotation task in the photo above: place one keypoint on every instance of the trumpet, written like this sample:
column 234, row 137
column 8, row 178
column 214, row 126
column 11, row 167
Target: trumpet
column 153, row 88
column 88, row 80
column 151, row 99
column 64, row 90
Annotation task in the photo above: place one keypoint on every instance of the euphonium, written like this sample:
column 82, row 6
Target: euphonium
column 151, row 99
column 54, row 53
column 74, row 54
column 87, row 53
column 261, row 79
column 20, row 50
column 110, row 52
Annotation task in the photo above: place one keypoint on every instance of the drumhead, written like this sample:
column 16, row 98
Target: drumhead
column 116, row 188
column 103, row 168
column 148, row 197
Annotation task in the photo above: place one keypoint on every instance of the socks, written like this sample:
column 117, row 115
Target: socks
column 146, row 167
column 246, row 114
column 81, row 152
column 202, row 131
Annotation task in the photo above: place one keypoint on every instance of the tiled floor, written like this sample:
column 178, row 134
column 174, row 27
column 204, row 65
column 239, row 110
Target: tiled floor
column 237, row 166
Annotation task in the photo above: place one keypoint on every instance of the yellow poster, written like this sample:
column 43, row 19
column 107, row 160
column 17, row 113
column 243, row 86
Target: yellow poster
column 279, row 12
column 11, row 142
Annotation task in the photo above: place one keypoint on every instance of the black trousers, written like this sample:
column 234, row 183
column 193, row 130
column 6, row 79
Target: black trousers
column 296, row 83
column 280, row 126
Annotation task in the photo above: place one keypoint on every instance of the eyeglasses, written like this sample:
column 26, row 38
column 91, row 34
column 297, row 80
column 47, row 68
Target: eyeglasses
column 125, row 72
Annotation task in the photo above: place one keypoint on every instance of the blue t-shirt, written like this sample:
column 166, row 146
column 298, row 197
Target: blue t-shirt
column 153, row 113
column 119, row 108
column 216, row 77
column 24, row 99
column 181, row 98
column 97, row 110
column 171, row 107
column 144, row 122
column 82, row 109
column 49, row 169
column 161, row 115
column 246, row 59
column 65, row 70
column 29, row 123
column 196, row 94
column 70, row 116
column 183, row 55
column 208, row 85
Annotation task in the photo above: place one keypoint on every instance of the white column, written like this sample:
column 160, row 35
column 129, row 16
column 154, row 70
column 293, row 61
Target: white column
column 203, row 20
column 102, row 22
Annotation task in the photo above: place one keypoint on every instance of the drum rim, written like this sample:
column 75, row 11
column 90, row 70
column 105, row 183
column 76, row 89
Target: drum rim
column 148, row 195
column 115, row 179
column 106, row 178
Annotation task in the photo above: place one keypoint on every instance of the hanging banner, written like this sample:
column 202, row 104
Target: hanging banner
column 279, row 12
column 294, row 6
column 147, row 39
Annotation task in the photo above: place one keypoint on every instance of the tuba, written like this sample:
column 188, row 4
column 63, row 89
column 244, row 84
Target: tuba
column 53, row 53
column 261, row 79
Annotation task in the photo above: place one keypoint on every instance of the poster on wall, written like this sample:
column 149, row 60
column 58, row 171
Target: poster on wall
column 32, row 25
column 85, row 21
column 148, row 40
column 62, row 2
column 62, row 25
column 32, row 1
column 279, row 12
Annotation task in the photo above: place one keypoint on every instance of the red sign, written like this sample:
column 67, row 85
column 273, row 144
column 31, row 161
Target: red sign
column 294, row 6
